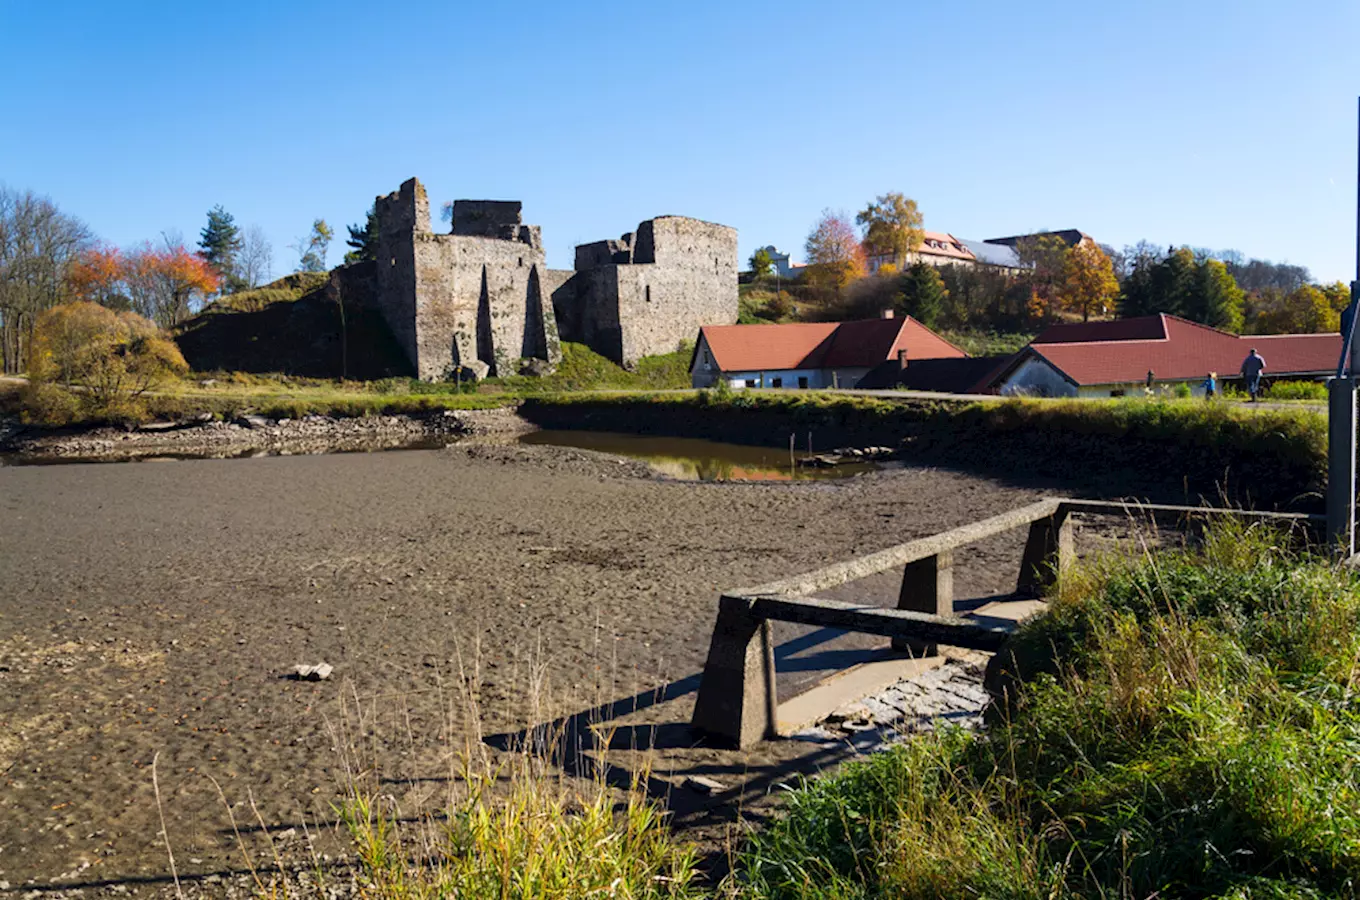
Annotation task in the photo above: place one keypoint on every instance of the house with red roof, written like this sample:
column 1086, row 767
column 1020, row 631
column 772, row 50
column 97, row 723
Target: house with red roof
column 813, row 354
column 1111, row 359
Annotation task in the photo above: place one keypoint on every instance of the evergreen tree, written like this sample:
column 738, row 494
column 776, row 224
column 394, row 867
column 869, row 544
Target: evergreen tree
column 219, row 243
column 364, row 241
column 1220, row 300
column 923, row 295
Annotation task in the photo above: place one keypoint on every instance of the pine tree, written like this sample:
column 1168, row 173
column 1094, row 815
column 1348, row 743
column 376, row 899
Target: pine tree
column 923, row 294
column 1220, row 299
column 219, row 243
column 363, row 240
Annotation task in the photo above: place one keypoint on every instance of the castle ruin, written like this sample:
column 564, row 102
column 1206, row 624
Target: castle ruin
column 482, row 297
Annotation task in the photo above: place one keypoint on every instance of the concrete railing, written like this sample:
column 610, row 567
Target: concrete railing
column 738, row 703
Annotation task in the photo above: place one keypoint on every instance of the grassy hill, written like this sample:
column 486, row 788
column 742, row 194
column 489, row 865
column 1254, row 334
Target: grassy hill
column 291, row 326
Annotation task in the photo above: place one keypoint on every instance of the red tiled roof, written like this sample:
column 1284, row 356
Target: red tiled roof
column 1187, row 351
column 860, row 344
column 1141, row 328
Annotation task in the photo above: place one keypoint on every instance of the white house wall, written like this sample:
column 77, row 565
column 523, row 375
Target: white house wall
column 1035, row 377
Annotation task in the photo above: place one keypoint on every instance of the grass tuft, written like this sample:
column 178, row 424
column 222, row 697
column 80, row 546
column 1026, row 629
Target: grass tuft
column 1186, row 725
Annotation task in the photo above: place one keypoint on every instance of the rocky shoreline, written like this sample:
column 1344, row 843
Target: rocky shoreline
column 252, row 435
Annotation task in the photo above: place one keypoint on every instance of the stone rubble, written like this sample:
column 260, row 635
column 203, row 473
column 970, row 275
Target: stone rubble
column 951, row 694
column 250, row 434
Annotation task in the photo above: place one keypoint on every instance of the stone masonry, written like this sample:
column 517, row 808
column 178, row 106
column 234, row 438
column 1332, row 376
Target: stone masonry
column 482, row 297
column 650, row 290
column 469, row 299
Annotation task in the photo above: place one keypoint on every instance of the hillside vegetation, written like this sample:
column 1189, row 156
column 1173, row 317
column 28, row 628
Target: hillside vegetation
column 1185, row 725
column 290, row 326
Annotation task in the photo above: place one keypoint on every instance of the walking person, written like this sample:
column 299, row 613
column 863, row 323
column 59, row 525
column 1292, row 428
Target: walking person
column 1210, row 386
column 1252, row 367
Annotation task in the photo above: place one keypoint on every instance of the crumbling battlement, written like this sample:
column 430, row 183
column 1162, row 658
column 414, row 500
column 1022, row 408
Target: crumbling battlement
column 651, row 289
column 472, row 298
column 482, row 297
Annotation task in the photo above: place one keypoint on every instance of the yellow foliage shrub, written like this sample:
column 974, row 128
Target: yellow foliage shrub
column 101, row 359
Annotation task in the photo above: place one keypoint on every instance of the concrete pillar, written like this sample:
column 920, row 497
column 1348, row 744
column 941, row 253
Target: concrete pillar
column 928, row 587
column 1049, row 549
column 737, row 700
column 1341, row 465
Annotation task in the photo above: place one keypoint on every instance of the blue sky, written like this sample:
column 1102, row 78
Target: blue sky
column 1214, row 124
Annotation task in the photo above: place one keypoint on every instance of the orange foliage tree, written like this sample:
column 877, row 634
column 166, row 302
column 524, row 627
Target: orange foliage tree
column 158, row 284
column 834, row 253
column 1088, row 284
column 97, row 276
column 163, row 284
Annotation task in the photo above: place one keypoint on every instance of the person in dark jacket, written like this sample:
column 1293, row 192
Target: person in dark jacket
column 1252, row 367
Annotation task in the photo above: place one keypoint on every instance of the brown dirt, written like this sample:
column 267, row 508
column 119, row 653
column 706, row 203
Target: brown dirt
column 152, row 608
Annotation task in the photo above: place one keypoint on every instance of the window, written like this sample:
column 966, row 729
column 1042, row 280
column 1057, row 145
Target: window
column 708, row 361
column 777, row 382
column 750, row 382
column 802, row 382
column 1117, row 393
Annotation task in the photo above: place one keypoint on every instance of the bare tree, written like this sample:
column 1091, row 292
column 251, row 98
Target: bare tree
column 256, row 259
column 37, row 244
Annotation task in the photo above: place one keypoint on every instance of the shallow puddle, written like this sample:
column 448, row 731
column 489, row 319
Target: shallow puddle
column 693, row 459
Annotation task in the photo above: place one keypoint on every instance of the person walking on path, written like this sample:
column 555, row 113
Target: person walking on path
column 1252, row 367
column 1211, row 386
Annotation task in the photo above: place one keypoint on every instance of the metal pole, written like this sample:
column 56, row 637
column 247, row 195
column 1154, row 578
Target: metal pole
column 1341, row 409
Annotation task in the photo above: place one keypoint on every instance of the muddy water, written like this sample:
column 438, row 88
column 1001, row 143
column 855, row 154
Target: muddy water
column 692, row 459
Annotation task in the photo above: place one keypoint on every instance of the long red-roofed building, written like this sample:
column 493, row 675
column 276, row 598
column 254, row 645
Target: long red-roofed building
column 813, row 354
column 1110, row 359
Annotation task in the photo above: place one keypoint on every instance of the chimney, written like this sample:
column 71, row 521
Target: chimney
column 885, row 313
column 901, row 359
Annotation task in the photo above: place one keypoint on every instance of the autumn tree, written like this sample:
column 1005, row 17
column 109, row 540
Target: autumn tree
column 38, row 242
column 1044, row 260
column 98, row 275
column 220, row 243
column 112, row 358
column 1088, row 284
column 892, row 227
column 163, row 284
column 761, row 263
column 313, row 248
column 363, row 241
column 1304, row 310
column 1338, row 295
column 834, row 254
column 922, row 294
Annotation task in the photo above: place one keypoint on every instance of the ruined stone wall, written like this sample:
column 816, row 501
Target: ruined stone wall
column 484, row 294
column 400, row 215
column 684, row 275
column 649, row 292
column 456, row 299
column 480, row 298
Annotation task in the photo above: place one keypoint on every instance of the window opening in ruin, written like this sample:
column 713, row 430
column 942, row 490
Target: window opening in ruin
column 802, row 381
column 521, row 262
column 647, row 293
